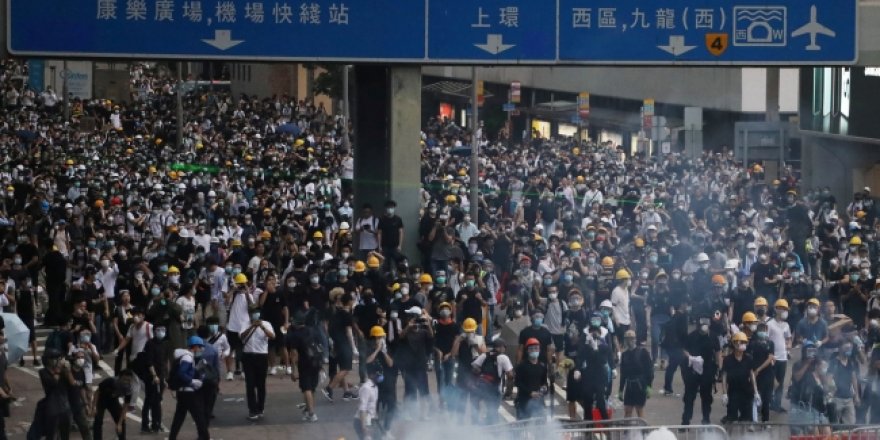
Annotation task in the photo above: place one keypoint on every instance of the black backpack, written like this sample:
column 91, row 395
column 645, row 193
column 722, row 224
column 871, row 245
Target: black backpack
column 489, row 369
column 314, row 350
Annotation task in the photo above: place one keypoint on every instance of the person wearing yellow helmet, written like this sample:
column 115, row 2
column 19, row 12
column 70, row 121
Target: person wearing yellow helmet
column 738, row 381
column 620, row 307
column 779, row 333
column 466, row 347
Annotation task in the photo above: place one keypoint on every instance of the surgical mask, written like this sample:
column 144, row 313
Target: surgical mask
column 446, row 313
column 236, row 270
column 255, row 316
column 160, row 334
column 548, row 281
column 85, row 337
column 533, row 355
column 518, row 313
column 291, row 284
column 390, row 211
column 537, row 322
column 197, row 355
column 782, row 314
column 567, row 278
column 17, row 261
column 174, row 279
column 854, row 277
column 553, row 296
column 398, row 295
column 441, row 280
column 704, row 328
column 470, row 283
column 214, row 328
column 155, row 291
column 762, row 335
column 314, row 280
column 591, row 260
column 393, row 315
column 80, row 362
column 676, row 276
column 812, row 312
column 405, row 290
column 753, row 327
column 741, row 347
column 228, row 269
column 652, row 259
column 343, row 272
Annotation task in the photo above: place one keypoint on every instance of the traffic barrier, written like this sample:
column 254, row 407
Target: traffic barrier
column 801, row 431
column 677, row 432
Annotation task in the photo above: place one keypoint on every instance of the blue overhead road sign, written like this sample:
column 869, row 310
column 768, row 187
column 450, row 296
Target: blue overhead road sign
column 352, row 30
column 481, row 32
column 709, row 31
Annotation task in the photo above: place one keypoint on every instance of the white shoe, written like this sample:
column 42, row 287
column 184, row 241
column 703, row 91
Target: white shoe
column 289, row 370
column 229, row 375
column 273, row 370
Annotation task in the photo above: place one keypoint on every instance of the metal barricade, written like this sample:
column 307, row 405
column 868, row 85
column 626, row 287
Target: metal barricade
column 794, row 431
column 871, row 432
column 543, row 428
column 677, row 432
column 592, row 424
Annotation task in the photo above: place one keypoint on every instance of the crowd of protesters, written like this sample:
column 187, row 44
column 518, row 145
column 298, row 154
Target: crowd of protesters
column 239, row 254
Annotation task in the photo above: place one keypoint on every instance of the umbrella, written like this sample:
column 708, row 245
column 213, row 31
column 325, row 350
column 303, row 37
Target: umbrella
column 17, row 337
column 289, row 129
column 510, row 332
column 460, row 151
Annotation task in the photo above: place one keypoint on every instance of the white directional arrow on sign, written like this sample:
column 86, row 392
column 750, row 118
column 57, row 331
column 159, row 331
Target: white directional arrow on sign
column 494, row 45
column 223, row 40
column 676, row 46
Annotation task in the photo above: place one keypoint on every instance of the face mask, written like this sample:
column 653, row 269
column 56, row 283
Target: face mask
column 676, row 276
column 446, row 313
column 174, row 279
column 398, row 295
column 548, row 281
column 228, row 269
column 155, row 291
column 255, row 316
column 591, row 260
column 214, row 328
column 854, row 277
column 741, row 347
column 762, row 335
column 470, row 283
column 163, row 268
column 846, row 351
column 537, row 322
column 753, row 327
column 441, row 280
column 314, row 280
column 345, row 255
column 85, row 338
column 704, row 328
column 197, row 355
column 80, row 362
column 567, row 278
column 553, row 296
column 812, row 312
column 379, row 378
column 789, row 264
column 652, row 259
column 782, row 314
column 533, row 355
column 390, row 211
column 160, row 334
column 405, row 290
column 343, row 272
column 236, row 270
column 823, row 369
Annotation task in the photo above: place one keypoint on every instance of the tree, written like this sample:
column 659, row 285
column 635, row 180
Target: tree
column 329, row 81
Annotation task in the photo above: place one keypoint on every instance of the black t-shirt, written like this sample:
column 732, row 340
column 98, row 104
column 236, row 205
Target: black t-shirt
column 843, row 375
column 438, row 296
column 444, row 335
column 298, row 340
column 366, row 316
column 541, row 334
column 390, row 227
column 529, row 378
column 339, row 321
column 705, row 345
column 738, row 372
column 760, row 350
column 273, row 309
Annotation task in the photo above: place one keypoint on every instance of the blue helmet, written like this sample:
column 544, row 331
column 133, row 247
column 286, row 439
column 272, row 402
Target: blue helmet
column 195, row 340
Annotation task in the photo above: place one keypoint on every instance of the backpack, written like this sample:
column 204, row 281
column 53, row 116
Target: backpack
column 209, row 374
column 55, row 340
column 489, row 370
column 314, row 350
column 174, row 381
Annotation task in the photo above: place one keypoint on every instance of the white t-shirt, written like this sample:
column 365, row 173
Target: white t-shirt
column 368, row 396
column 239, row 320
column 502, row 362
column 368, row 239
column 779, row 332
column 620, row 305
column 139, row 337
column 258, row 340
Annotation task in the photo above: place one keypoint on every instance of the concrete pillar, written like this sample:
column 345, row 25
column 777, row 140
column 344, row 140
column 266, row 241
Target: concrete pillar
column 387, row 156
column 772, row 94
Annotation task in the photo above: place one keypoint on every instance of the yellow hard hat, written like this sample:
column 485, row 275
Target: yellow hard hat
column 860, row 214
column 575, row 246
column 640, row 242
column 299, row 143
column 581, row 179
column 372, row 262
column 99, row 203
column 377, row 332
column 172, row 175
column 740, row 337
column 855, row 241
column 151, row 169
column 622, row 274
column 451, row 199
column 69, row 161
column 241, row 279
column 265, row 235
column 425, row 278
column 444, row 304
column 462, row 172
column 359, row 266
column 781, row 304
column 158, row 141
column 776, row 181
column 760, row 301
column 310, row 150
column 249, row 157
column 469, row 325
column 236, row 242
column 318, row 235
column 395, row 287
column 749, row 317
column 608, row 261
column 576, row 151
column 173, row 269
column 814, row 302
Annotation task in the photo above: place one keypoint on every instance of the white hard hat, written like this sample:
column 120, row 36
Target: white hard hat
column 211, row 193
column 344, row 226
column 606, row 303
column 157, row 187
column 701, row 257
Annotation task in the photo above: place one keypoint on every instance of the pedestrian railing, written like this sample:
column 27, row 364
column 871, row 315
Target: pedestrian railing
column 620, row 429
column 800, row 431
